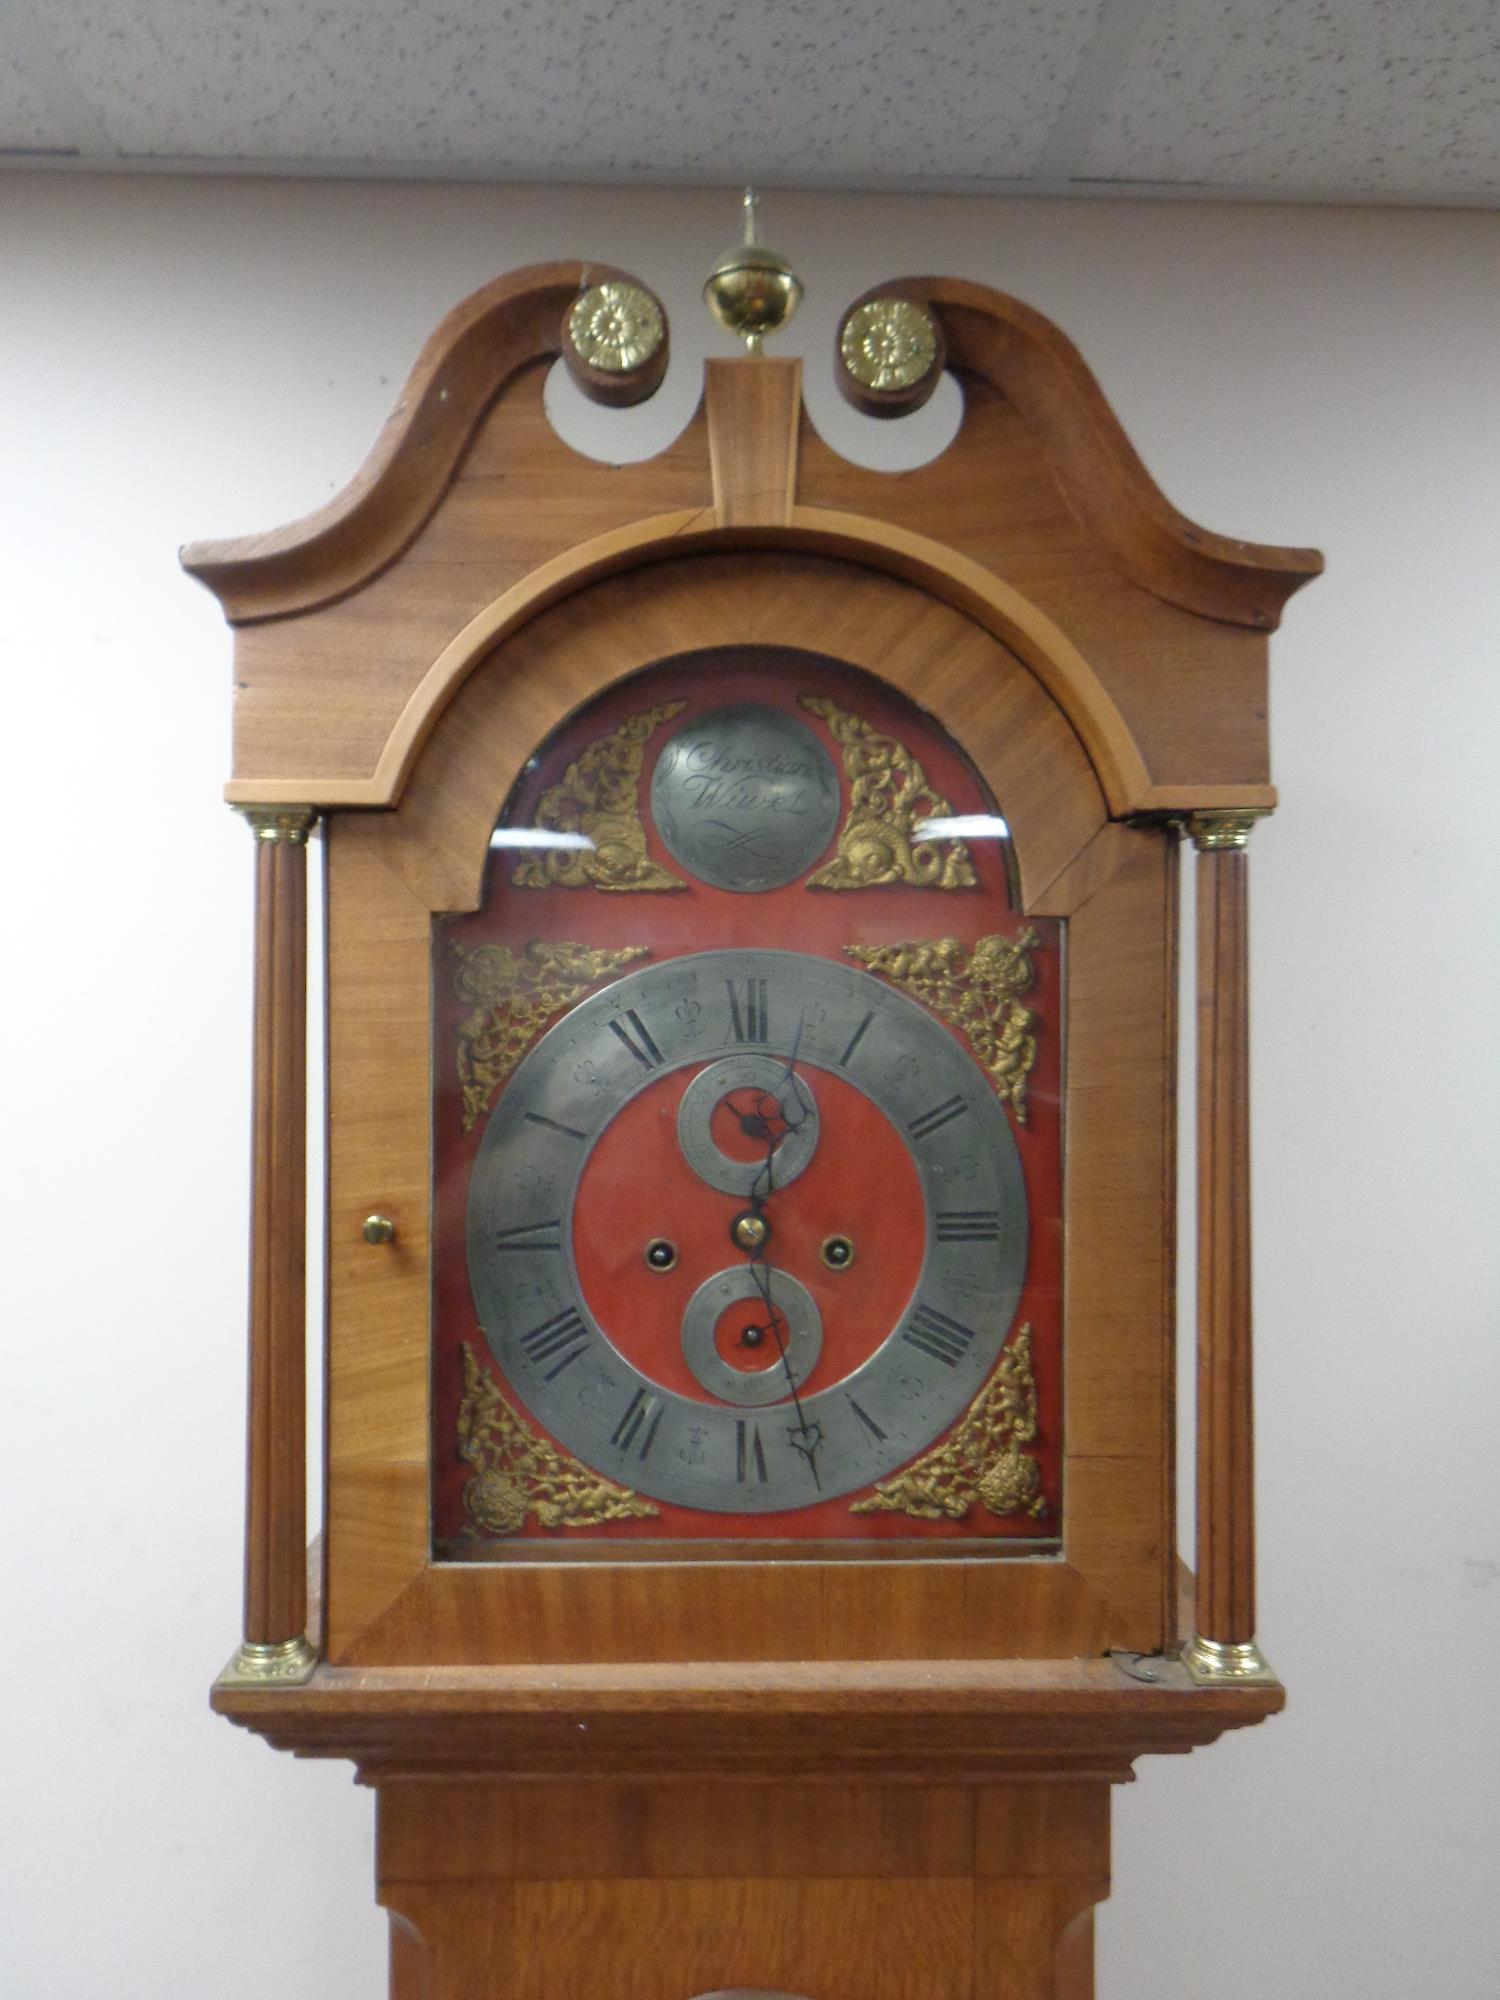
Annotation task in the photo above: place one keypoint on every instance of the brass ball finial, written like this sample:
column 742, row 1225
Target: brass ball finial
column 752, row 290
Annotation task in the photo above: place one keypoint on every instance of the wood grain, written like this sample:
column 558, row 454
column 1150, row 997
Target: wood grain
column 524, row 688
column 327, row 696
column 838, row 1940
column 432, row 1830
column 754, row 412
column 1226, row 1459
column 1190, row 690
column 478, row 347
column 387, row 1602
column 928, row 1722
column 1119, row 1277
column 915, row 559
column 1039, row 370
column 515, row 320
column 849, row 1891
column 276, row 1481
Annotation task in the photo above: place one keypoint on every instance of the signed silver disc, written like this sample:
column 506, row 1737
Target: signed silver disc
column 745, row 798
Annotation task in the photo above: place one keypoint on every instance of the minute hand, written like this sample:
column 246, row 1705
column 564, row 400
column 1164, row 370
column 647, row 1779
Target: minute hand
column 806, row 1437
column 764, row 1184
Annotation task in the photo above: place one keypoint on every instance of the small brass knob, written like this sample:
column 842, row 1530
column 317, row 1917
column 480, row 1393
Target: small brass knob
column 750, row 1231
column 379, row 1229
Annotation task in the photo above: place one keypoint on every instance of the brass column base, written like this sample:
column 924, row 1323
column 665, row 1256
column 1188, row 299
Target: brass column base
column 256, row 1665
column 1217, row 1662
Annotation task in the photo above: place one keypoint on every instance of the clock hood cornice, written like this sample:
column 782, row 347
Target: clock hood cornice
column 517, row 320
column 1039, row 521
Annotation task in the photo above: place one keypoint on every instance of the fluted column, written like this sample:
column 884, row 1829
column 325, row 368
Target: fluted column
column 275, row 1644
column 1223, row 1647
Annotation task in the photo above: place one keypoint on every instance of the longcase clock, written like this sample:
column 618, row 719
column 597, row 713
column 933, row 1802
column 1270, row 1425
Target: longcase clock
column 752, row 911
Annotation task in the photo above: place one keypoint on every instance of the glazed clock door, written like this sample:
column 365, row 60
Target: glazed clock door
column 747, row 1140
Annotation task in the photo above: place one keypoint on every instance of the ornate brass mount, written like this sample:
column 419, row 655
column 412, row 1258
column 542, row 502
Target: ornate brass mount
column 517, row 1473
column 514, row 997
column 888, row 795
column 981, row 1458
column 598, row 796
column 978, row 991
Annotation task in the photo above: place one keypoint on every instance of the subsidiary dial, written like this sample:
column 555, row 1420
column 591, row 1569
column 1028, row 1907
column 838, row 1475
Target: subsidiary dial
column 749, row 1337
column 748, row 1125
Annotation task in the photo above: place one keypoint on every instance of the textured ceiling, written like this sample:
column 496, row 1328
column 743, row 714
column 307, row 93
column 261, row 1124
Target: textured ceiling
column 1395, row 100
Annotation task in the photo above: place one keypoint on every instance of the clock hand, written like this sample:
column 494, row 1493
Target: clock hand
column 771, row 1108
column 806, row 1437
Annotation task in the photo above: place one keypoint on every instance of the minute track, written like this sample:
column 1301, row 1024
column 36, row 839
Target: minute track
column 573, row 1083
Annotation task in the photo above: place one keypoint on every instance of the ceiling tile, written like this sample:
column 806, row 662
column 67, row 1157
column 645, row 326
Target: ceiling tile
column 24, row 123
column 699, row 89
column 1398, row 97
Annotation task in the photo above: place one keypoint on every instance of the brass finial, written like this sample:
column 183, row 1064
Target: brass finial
column 752, row 290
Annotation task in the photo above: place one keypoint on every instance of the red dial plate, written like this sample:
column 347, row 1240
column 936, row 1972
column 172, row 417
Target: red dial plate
column 638, row 1188
column 859, row 1183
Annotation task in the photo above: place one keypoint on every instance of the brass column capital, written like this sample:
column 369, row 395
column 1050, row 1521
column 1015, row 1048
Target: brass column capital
column 289, row 823
column 1223, row 829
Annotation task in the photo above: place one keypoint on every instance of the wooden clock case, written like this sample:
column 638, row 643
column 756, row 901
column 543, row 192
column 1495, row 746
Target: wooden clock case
column 845, row 1779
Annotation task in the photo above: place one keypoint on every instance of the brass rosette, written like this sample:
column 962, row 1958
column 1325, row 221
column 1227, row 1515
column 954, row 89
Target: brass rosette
column 614, row 341
column 891, row 354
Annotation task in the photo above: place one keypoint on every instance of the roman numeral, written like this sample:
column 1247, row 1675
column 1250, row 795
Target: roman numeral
column 749, row 1453
column 855, row 1039
column 968, row 1225
column 946, row 1340
column 640, row 1044
column 559, row 1340
column 643, row 1409
column 940, row 1115
column 530, row 1236
column 568, row 1131
column 748, row 1009
column 867, row 1420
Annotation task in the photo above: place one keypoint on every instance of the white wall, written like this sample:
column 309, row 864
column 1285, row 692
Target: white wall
column 193, row 359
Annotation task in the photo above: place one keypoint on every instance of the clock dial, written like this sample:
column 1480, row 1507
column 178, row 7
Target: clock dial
column 774, row 1383
column 747, row 1139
